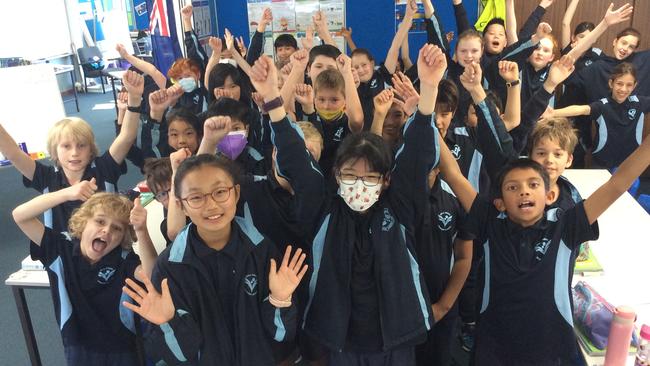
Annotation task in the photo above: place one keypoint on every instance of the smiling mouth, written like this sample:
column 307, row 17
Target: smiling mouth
column 214, row 217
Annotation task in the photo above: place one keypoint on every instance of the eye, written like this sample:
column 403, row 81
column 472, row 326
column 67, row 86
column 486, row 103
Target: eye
column 511, row 187
column 100, row 221
column 195, row 198
column 534, row 184
column 117, row 228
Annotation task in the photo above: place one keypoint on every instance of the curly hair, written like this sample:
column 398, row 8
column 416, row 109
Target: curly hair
column 114, row 205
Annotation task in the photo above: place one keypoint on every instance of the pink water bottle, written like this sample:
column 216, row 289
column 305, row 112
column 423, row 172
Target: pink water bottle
column 620, row 335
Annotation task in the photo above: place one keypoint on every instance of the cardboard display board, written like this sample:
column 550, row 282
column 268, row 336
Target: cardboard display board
column 25, row 123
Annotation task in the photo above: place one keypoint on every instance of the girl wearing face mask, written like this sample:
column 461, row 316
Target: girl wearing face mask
column 186, row 73
column 619, row 117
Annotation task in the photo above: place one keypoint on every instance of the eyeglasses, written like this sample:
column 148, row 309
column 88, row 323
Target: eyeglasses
column 162, row 195
column 197, row 200
column 368, row 181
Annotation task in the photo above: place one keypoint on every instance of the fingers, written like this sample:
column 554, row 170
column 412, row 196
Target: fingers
column 273, row 268
column 164, row 286
column 301, row 274
column 134, row 291
column 286, row 257
column 295, row 259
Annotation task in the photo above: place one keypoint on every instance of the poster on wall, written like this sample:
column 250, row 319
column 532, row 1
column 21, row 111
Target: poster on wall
column 418, row 25
column 294, row 17
column 202, row 18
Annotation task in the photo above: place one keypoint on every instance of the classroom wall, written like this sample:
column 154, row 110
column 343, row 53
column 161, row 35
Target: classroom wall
column 593, row 11
column 372, row 22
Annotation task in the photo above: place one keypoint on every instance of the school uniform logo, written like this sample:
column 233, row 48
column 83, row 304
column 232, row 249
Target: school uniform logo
column 543, row 76
column 338, row 134
column 250, row 284
column 631, row 113
column 104, row 275
column 444, row 221
column 541, row 248
column 388, row 221
column 455, row 151
column 196, row 99
column 373, row 84
column 588, row 62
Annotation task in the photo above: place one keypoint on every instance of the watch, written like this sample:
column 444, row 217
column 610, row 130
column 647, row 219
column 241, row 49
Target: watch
column 272, row 104
column 516, row 82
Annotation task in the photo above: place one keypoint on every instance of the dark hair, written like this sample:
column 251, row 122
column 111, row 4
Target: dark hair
column 521, row 163
column 234, row 109
column 326, row 50
column 218, row 76
column 197, row 161
column 285, row 40
column 447, row 100
column 157, row 172
column 491, row 96
column 329, row 79
column 364, row 52
column 583, row 27
column 184, row 114
column 621, row 69
column 492, row 22
column 365, row 145
column 629, row 31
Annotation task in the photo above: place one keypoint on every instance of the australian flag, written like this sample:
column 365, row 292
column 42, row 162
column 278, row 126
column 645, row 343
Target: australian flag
column 164, row 40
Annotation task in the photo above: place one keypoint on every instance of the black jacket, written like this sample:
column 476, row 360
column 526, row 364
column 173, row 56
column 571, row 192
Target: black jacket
column 197, row 334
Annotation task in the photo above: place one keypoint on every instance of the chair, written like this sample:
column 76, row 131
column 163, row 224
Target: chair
column 91, row 60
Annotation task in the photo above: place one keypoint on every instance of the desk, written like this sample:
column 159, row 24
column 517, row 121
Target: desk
column 62, row 69
column 622, row 249
column 115, row 75
column 21, row 280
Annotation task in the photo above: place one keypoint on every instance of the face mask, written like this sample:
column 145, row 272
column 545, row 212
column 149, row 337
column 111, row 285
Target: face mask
column 188, row 84
column 228, row 61
column 358, row 196
column 233, row 144
column 330, row 115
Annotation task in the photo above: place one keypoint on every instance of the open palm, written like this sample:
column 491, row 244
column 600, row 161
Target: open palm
column 155, row 307
column 284, row 280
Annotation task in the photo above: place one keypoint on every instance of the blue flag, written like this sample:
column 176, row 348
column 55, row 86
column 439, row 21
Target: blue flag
column 164, row 41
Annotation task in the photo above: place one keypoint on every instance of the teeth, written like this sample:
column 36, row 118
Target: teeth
column 214, row 217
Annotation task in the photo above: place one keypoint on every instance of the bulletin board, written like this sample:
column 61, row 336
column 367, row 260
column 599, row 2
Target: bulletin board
column 293, row 17
column 418, row 26
column 28, row 125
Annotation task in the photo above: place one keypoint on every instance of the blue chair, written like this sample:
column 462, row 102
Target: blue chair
column 644, row 201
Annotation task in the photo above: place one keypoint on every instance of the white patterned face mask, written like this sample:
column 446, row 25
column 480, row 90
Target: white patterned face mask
column 357, row 195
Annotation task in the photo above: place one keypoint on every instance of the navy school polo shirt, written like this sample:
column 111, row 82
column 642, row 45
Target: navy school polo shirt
column 620, row 128
column 525, row 314
column 88, row 298
column 51, row 179
column 333, row 133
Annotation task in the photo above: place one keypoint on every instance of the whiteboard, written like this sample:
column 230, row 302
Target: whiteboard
column 34, row 29
column 31, row 104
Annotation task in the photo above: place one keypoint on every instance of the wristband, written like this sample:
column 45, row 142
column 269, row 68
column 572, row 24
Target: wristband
column 272, row 104
column 137, row 109
column 279, row 303
column 514, row 83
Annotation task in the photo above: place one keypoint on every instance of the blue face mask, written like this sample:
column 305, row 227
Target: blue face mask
column 233, row 144
column 188, row 84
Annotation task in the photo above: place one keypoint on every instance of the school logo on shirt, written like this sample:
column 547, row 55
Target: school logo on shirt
column 250, row 284
column 543, row 76
column 373, row 83
column 588, row 62
column 196, row 99
column 455, row 151
column 444, row 220
column 338, row 134
column 104, row 275
column 541, row 248
column 631, row 113
column 388, row 221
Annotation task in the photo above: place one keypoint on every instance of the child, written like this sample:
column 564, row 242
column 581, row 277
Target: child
column 184, row 130
column 72, row 149
column 158, row 175
column 285, row 45
column 619, row 118
column 527, row 255
column 219, row 297
column 87, row 269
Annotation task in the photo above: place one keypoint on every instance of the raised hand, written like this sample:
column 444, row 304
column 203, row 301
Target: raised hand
column 122, row 98
column 241, row 45
column 174, row 92
column 320, row 20
column 619, row 15
column 216, row 45
column 509, row 71
column 560, row 70
column 138, row 216
column 121, row 50
column 304, row 94
column 546, row 3
column 178, row 156
column 345, row 32
column 411, row 9
column 216, row 128
column 186, row 11
column 300, row 59
column 158, row 103
column 471, row 78
column 307, row 42
column 543, row 29
column 432, row 64
column 405, row 89
column 230, row 40
column 383, row 101
column 222, row 93
column 284, row 280
column 267, row 17
column 264, row 77
column 133, row 82
column 82, row 190
column 156, row 307
column 344, row 64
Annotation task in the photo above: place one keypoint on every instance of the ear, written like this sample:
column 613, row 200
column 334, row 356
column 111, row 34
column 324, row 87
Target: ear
column 550, row 197
column 569, row 161
column 386, row 183
column 610, row 84
column 499, row 204
column 237, row 192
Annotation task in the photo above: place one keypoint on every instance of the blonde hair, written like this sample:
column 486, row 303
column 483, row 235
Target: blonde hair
column 311, row 132
column 555, row 129
column 112, row 204
column 74, row 127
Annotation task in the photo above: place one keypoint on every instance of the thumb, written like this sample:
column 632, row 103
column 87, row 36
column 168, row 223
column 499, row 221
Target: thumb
column 137, row 203
column 93, row 182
